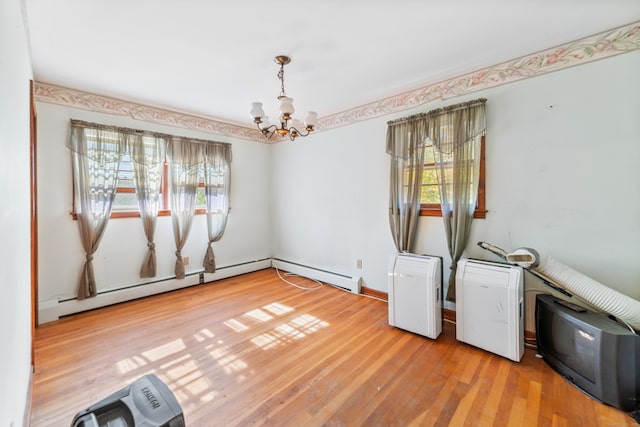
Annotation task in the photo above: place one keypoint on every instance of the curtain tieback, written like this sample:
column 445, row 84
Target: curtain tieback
column 179, row 254
column 89, row 257
column 151, row 245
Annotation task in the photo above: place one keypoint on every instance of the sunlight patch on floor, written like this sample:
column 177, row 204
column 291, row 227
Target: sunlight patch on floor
column 178, row 359
column 277, row 308
column 203, row 335
column 227, row 360
column 309, row 323
column 236, row 325
column 168, row 364
column 287, row 332
column 182, row 370
column 208, row 397
column 130, row 364
column 164, row 350
column 259, row 315
column 198, row 386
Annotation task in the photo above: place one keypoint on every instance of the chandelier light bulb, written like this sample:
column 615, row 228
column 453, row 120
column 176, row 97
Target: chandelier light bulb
column 312, row 120
column 286, row 107
column 295, row 123
column 256, row 112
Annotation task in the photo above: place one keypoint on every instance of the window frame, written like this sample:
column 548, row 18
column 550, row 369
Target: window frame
column 433, row 209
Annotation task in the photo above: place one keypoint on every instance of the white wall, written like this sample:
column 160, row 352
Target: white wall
column 120, row 254
column 15, row 304
column 562, row 176
column 330, row 201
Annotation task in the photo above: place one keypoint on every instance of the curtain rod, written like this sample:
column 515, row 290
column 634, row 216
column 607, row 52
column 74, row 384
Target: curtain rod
column 130, row 131
column 439, row 111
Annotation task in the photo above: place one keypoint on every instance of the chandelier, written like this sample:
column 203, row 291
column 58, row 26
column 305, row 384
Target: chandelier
column 289, row 126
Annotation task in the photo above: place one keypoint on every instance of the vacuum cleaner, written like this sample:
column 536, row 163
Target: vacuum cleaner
column 147, row 402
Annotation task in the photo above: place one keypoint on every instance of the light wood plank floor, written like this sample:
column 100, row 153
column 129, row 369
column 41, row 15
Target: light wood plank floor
column 252, row 350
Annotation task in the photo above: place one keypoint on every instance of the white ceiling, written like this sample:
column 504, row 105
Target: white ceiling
column 213, row 58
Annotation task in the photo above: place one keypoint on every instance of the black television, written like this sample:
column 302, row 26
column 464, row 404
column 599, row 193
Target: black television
column 593, row 351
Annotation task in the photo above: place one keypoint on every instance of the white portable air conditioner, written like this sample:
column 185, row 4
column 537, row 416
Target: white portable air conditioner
column 415, row 286
column 490, row 306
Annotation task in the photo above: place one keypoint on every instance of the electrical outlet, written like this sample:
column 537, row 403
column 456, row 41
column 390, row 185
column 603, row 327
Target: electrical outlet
column 359, row 264
column 185, row 260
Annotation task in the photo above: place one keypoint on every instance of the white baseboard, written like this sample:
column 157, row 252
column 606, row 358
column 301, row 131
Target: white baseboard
column 236, row 270
column 51, row 310
column 26, row 419
column 349, row 283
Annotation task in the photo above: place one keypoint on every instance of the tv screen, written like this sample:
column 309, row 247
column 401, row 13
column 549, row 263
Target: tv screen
column 572, row 345
column 593, row 351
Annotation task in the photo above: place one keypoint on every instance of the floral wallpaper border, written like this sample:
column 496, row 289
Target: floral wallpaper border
column 599, row 46
column 87, row 101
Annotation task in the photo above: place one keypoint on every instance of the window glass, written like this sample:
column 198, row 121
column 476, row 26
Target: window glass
column 430, row 193
column 125, row 199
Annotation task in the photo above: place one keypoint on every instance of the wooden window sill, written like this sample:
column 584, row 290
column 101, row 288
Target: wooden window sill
column 136, row 214
column 479, row 213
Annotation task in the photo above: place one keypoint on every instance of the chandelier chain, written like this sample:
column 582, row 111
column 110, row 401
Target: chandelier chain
column 281, row 77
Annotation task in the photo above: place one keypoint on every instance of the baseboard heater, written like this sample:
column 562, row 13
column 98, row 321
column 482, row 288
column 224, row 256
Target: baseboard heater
column 342, row 281
column 51, row 310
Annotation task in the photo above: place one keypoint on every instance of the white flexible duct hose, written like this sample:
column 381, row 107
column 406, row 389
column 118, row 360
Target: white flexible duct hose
column 606, row 299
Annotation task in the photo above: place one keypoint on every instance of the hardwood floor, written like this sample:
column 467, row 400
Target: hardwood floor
column 252, row 350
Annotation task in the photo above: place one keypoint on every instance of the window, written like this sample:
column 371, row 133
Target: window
column 125, row 203
column 430, row 194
